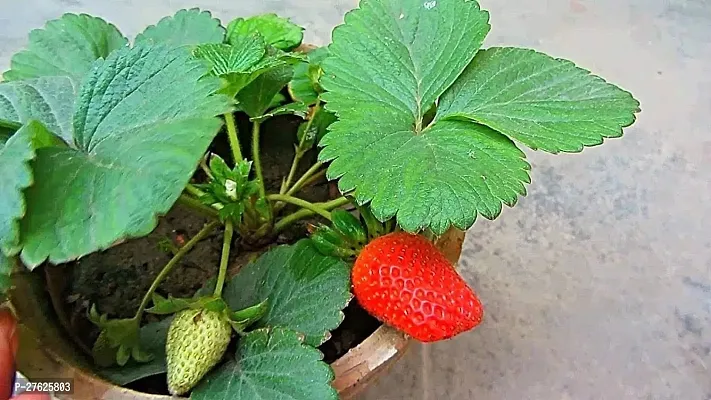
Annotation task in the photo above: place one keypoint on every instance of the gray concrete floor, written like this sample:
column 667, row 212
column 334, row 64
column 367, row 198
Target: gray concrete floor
column 598, row 284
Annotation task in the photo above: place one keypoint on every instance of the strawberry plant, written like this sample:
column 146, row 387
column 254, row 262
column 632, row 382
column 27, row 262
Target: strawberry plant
column 420, row 128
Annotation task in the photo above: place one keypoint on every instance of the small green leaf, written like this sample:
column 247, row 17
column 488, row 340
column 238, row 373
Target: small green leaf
column 306, row 290
column 67, row 46
column 298, row 109
column 117, row 340
column 270, row 364
column 15, row 157
column 185, row 28
column 543, row 102
column 7, row 264
column 278, row 32
column 151, row 350
column 227, row 59
column 256, row 97
column 317, row 129
column 135, row 146
column 5, row 133
column 49, row 100
column 307, row 75
column 240, row 63
column 242, row 319
column 278, row 100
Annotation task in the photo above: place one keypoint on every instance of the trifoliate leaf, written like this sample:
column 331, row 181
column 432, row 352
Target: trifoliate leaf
column 15, row 157
column 306, row 290
column 540, row 101
column 152, row 338
column 144, row 118
column 49, row 100
column 67, row 46
column 270, row 364
column 185, row 28
column 307, row 75
column 255, row 98
column 241, row 63
column 277, row 31
column 388, row 64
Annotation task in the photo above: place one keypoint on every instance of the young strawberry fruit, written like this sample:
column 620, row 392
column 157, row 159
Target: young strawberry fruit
column 406, row 282
column 197, row 340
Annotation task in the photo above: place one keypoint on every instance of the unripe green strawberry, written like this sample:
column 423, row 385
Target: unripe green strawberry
column 197, row 340
column 405, row 281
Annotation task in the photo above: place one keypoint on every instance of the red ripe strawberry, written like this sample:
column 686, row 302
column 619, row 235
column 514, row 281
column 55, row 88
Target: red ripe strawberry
column 406, row 282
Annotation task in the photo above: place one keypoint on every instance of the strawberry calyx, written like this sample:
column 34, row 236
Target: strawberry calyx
column 239, row 320
column 348, row 234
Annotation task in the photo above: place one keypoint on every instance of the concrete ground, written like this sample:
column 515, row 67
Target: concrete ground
column 598, row 284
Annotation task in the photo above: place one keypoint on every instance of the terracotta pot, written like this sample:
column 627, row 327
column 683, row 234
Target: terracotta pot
column 47, row 352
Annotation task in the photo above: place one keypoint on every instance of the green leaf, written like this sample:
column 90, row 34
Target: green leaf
column 15, row 157
column 306, row 290
column 307, row 75
column 243, row 318
column 49, row 100
column 540, row 101
column 255, row 98
column 226, row 59
column 152, row 338
column 5, row 133
column 317, row 129
column 144, row 118
column 119, row 338
column 277, row 31
column 67, row 46
column 389, row 62
column 278, row 100
column 7, row 264
column 239, row 64
column 298, row 109
column 185, row 28
column 270, row 364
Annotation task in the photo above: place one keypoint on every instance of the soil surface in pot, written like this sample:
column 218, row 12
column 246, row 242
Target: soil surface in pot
column 115, row 280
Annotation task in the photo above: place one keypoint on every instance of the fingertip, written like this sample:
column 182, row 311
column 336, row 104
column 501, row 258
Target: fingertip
column 32, row 396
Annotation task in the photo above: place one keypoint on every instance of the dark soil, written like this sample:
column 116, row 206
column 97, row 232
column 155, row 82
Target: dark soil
column 115, row 280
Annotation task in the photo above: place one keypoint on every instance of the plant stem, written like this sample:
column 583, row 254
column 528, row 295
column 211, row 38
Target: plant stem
column 205, row 168
column 190, row 188
column 233, row 137
column 226, row 243
column 304, row 213
column 256, row 159
column 312, row 179
column 171, row 264
column 300, row 150
column 304, row 178
column 301, row 203
column 198, row 206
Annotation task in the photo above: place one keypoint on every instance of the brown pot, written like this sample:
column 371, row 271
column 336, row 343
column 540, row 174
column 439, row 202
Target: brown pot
column 47, row 352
